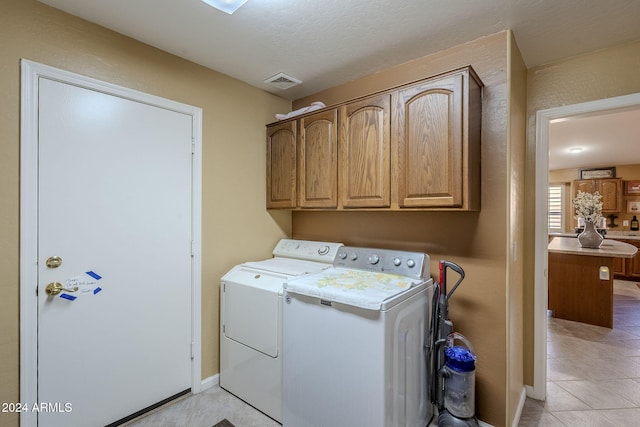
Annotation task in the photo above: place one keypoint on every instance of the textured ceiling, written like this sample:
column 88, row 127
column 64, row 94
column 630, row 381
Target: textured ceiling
column 329, row 42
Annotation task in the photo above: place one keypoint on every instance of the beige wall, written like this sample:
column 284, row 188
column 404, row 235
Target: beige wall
column 603, row 74
column 236, row 226
column 515, row 256
column 486, row 307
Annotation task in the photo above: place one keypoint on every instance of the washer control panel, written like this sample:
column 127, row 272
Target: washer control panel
column 402, row 263
column 307, row 249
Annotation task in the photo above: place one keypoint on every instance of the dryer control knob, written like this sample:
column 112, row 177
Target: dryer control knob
column 342, row 255
column 374, row 259
column 354, row 257
column 397, row 261
column 411, row 263
column 323, row 250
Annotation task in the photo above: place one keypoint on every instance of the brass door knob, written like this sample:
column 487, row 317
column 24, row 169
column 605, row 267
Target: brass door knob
column 54, row 262
column 54, row 288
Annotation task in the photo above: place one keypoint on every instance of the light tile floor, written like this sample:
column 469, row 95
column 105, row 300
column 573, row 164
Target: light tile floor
column 204, row 410
column 593, row 373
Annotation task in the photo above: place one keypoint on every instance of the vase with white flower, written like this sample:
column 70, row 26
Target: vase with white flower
column 588, row 207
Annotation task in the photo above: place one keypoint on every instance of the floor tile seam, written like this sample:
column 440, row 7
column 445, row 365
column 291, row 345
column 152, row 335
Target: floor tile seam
column 554, row 417
column 618, row 397
column 599, row 412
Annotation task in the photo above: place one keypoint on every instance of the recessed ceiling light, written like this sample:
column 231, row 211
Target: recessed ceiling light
column 227, row 6
column 575, row 150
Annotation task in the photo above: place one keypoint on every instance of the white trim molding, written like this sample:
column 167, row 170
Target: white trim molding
column 210, row 382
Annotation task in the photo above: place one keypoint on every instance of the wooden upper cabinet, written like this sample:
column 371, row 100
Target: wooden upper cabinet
column 437, row 126
column 365, row 161
column 611, row 191
column 609, row 188
column 584, row 185
column 281, row 165
column 318, row 160
column 416, row 146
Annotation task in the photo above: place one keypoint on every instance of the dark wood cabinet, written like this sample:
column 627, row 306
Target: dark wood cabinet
column 628, row 269
column 575, row 291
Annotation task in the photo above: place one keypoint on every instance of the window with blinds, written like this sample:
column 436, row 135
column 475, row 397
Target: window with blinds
column 555, row 209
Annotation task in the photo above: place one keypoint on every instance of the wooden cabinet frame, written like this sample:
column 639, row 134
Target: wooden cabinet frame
column 414, row 147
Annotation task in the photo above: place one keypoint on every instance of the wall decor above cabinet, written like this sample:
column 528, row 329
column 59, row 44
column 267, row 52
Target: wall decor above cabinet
column 413, row 147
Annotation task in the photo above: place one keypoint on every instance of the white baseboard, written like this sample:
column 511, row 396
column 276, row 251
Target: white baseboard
column 211, row 381
column 532, row 392
column 523, row 398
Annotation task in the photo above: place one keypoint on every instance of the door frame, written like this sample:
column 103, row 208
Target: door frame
column 31, row 72
column 543, row 119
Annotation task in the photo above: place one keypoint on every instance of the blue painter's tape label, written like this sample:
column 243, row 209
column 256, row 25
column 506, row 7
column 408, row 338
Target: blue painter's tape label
column 96, row 290
column 67, row 296
column 94, row 275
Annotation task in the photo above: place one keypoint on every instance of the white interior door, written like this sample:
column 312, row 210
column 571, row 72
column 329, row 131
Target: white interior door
column 114, row 204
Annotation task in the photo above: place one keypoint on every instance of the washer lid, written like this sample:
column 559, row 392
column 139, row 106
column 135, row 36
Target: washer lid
column 288, row 266
column 359, row 288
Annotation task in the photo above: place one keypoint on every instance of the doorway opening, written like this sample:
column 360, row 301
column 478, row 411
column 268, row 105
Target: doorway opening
column 543, row 121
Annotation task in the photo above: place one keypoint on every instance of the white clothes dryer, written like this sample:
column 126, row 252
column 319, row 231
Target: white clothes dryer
column 354, row 342
column 251, row 320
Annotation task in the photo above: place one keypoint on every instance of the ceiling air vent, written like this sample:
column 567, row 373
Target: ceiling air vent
column 283, row 81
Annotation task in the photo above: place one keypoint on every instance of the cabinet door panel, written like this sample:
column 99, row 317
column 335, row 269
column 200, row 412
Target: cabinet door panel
column 619, row 267
column 281, row 165
column 318, row 160
column 584, row 185
column 430, row 155
column 611, row 191
column 365, row 153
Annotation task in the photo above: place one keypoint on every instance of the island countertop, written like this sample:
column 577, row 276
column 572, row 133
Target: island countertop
column 610, row 248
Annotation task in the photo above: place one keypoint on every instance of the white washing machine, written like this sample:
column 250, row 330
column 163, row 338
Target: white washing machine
column 354, row 338
column 251, row 320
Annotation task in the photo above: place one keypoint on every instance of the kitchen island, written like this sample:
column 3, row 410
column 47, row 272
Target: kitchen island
column 581, row 279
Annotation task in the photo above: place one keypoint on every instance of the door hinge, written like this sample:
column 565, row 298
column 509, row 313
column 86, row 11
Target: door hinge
column 193, row 146
column 36, row 290
column 192, row 251
column 193, row 350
